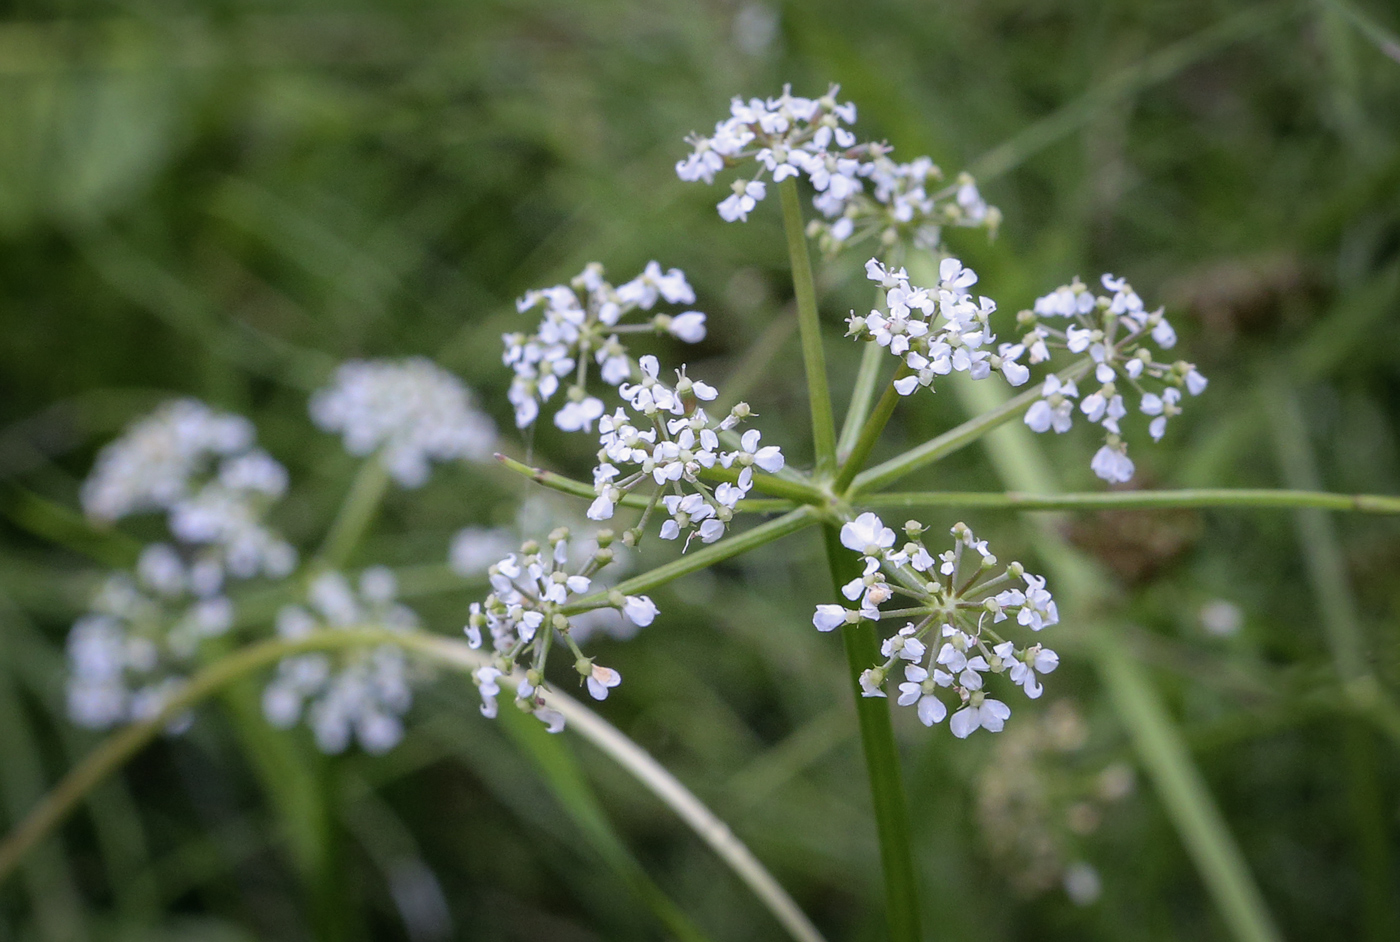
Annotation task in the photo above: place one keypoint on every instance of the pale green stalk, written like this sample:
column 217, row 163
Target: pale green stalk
column 699, row 559
column 862, row 398
column 118, row 748
column 1137, row 500
column 1326, row 565
column 955, row 438
column 356, row 511
column 870, row 432
column 809, row 325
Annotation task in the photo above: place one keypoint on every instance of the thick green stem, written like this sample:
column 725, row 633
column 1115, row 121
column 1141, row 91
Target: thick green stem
column 956, row 438
column 1138, row 500
column 881, row 760
column 356, row 511
column 809, row 325
column 870, row 433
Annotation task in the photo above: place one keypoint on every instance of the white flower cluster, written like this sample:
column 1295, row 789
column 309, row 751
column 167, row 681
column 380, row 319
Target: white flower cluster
column 204, row 469
column 141, row 633
column 789, row 136
column 950, row 644
column 358, row 693
column 1115, row 332
column 580, row 325
column 410, row 411
column 523, row 617
column 672, row 441
column 936, row 331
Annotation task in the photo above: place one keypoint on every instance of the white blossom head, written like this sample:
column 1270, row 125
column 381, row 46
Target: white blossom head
column 410, row 412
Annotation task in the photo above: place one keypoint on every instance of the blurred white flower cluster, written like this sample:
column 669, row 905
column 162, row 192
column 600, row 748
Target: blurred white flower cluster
column 142, row 633
column 936, row 331
column 951, row 639
column 1114, row 330
column 204, row 469
column 790, row 136
column 579, row 329
column 359, row 693
column 411, row 412
column 523, row 617
column 672, row 441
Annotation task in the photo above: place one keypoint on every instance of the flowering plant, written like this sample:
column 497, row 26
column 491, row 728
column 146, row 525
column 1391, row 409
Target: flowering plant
column 948, row 630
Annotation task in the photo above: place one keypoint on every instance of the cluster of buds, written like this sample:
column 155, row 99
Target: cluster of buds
column 524, row 616
column 669, row 439
column 580, row 326
column 951, row 640
column 1115, row 331
column 936, row 331
column 790, row 136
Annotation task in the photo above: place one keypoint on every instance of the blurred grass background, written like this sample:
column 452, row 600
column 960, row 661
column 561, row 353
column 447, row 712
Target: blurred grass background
column 227, row 199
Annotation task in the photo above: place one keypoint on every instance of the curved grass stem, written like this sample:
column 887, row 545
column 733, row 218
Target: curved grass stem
column 118, row 748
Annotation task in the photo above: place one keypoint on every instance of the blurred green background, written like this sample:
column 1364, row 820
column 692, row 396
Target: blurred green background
column 227, row 199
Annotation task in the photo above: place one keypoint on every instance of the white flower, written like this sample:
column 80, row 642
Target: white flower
column 640, row 610
column 872, row 683
column 1023, row 672
column 601, row 680
column 987, row 714
column 689, row 326
column 742, row 201
column 1113, row 464
column 828, row 617
column 918, row 689
column 579, row 415
column 867, row 534
column 486, row 678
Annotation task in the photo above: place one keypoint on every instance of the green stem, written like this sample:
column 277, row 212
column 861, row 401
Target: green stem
column 793, row 490
column 956, row 438
column 729, row 546
column 870, row 432
column 1139, row 500
column 118, row 748
column 862, row 398
column 809, row 326
column 1202, row 828
column 356, row 511
column 881, row 760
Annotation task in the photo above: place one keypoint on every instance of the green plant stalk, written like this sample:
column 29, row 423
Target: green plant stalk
column 862, row 398
column 870, row 432
column 881, row 759
column 118, row 748
column 1188, row 801
column 955, row 438
column 809, row 327
column 1323, row 556
column 356, row 511
column 1239, row 498
column 876, row 733
column 764, row 533
column 1159, row 745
